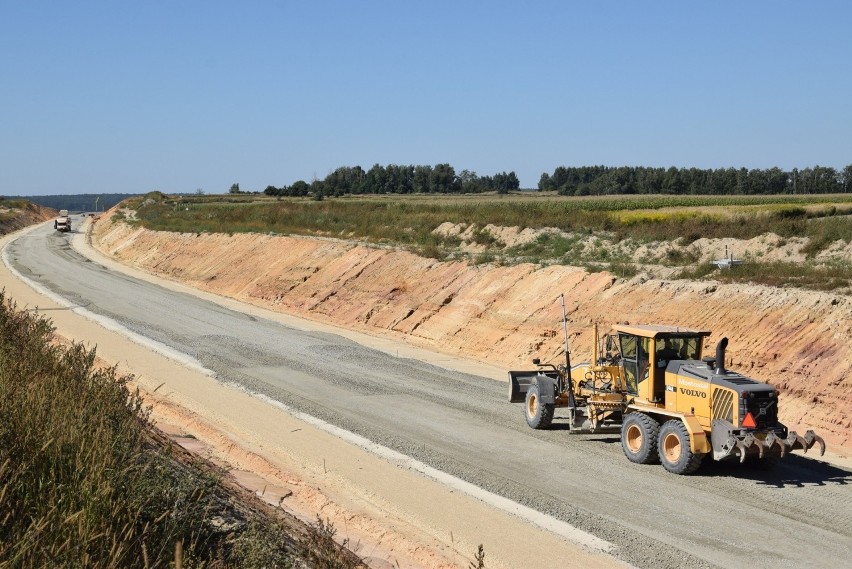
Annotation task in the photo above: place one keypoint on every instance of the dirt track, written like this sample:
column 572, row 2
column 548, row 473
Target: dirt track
column 461, row 424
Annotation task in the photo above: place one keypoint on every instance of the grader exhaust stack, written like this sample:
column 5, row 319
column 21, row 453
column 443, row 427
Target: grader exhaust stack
column 720, row 356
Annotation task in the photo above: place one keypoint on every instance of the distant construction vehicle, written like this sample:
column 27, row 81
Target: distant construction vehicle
column 63, row 221
column 671, row 405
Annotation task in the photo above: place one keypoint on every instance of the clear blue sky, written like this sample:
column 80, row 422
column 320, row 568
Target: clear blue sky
column 179, row 95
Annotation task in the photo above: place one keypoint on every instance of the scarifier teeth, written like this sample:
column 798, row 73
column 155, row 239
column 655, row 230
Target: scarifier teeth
column 801, row 441
column 751, row 440
column 812, row 438
column 743, row 448
column 783, row 444
column 793, row 439
column 769, row 442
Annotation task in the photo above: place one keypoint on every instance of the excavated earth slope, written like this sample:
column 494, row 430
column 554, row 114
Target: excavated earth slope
column 12, row 219
column 797, row 340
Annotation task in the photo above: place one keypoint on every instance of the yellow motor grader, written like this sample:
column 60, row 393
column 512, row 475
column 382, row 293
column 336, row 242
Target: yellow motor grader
column 672, row 405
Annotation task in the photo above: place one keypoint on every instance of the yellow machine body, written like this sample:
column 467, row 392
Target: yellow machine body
column 670, row 402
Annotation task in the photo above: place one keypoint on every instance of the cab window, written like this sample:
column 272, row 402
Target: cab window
column 690, row 348
column 677, row 348
column 634, row 351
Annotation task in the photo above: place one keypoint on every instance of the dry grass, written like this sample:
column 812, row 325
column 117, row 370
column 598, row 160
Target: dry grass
column 85, row 482
column 410, row 221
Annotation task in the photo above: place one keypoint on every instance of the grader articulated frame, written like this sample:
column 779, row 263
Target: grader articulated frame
column 670, row 404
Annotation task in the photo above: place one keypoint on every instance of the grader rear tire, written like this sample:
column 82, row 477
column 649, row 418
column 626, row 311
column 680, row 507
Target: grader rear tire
column 639, row 434
column 538, row 415
column 675, row 453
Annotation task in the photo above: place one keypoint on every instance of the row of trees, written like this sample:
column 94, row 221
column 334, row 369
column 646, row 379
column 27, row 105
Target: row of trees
column 604, row 180
column 397, row 179
column 581, row 181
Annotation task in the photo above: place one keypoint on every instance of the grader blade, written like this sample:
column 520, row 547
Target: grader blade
column 812, row 438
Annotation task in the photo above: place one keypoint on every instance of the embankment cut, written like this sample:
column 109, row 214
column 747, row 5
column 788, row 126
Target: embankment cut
column 797, row 340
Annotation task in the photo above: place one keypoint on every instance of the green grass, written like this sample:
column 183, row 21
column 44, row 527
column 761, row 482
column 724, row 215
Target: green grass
column 546, row 246
column 76, row 480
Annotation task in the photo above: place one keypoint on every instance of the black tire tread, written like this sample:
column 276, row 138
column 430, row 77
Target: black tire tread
column 689, row 462
column 544, row 417
column 650, row 434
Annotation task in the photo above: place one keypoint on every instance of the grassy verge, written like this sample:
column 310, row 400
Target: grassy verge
column 16, row 213
column 410, row 222
column 85, row 481
column 13, row 203
column 826, row 278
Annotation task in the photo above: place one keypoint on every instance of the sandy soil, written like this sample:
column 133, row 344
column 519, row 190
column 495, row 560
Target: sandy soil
column 769, row 247
column 799, row 341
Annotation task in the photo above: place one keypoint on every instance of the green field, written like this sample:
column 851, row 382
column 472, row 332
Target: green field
column 409, row 222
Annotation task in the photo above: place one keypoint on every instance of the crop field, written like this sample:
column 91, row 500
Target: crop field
column 410, row 222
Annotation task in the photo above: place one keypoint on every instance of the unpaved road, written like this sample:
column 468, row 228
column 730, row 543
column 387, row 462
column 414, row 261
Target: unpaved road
column 798, row 515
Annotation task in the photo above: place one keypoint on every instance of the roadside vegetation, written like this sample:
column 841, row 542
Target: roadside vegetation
column 599, row 233
column 11, row 209
column 10, row 205
column 17, row 213
column 85, row 481
column 829, row 277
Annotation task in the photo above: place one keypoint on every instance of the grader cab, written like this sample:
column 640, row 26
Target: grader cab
column 671, row 404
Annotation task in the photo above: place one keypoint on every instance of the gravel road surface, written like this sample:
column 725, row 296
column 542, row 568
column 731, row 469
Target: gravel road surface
column 798, row 514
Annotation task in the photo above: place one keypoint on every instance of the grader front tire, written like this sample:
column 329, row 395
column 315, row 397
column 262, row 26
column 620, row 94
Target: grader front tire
column 538, row 415
column 639, row 434
column 676, row 455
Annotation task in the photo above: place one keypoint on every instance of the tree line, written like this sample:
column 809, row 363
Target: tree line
column 605, row 180
column 79, row 202
column 572, row 180
column 398, row 179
